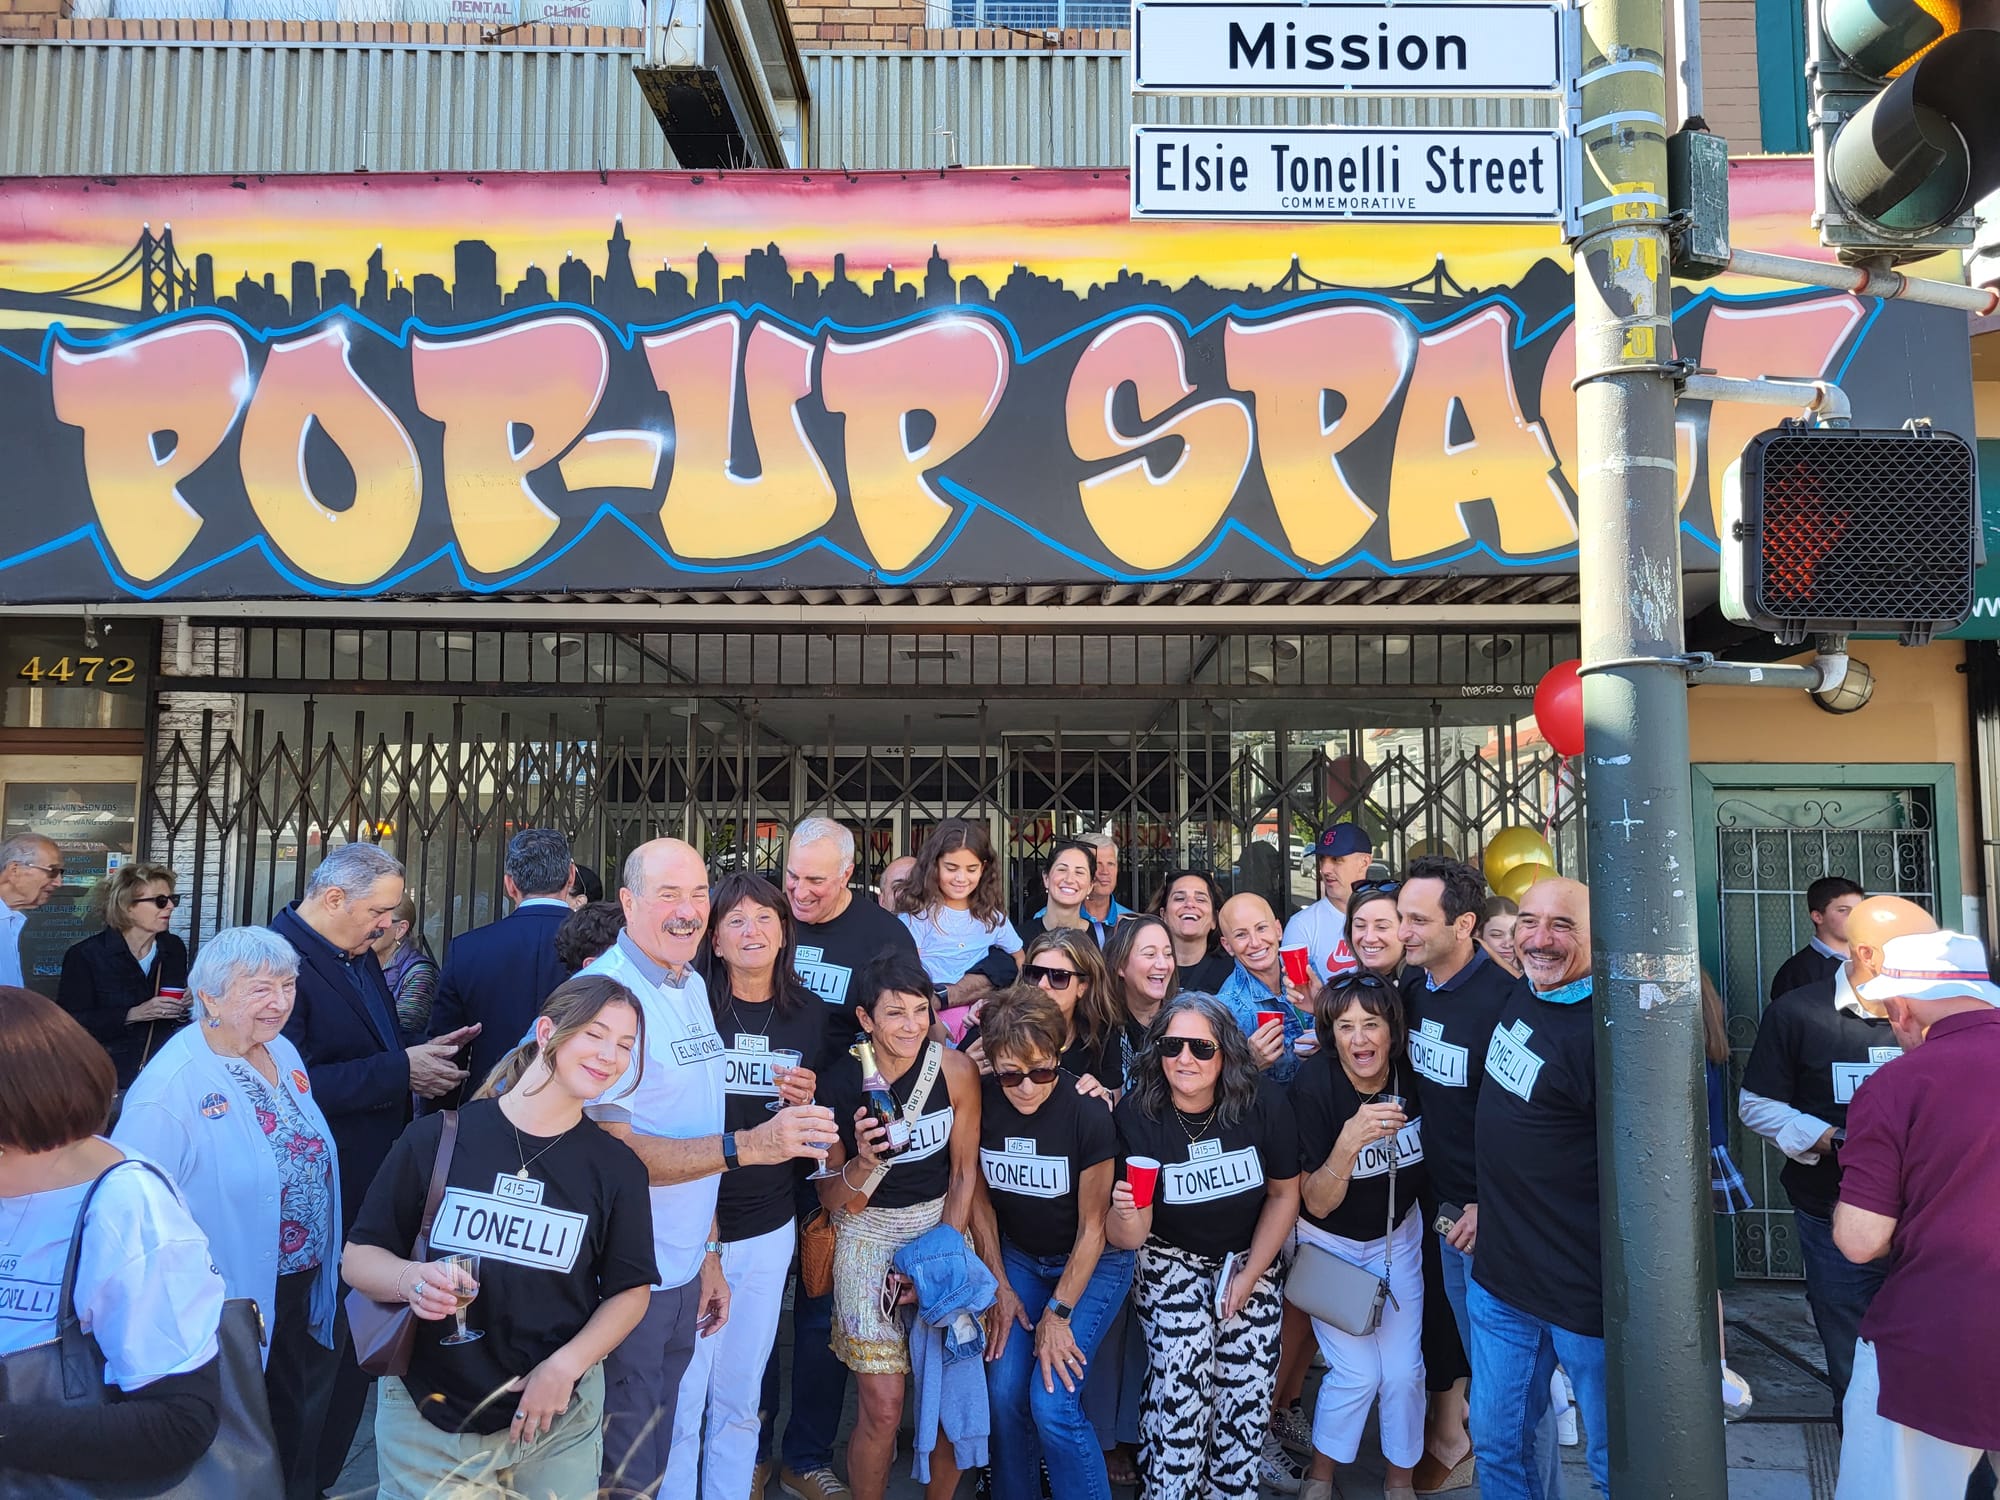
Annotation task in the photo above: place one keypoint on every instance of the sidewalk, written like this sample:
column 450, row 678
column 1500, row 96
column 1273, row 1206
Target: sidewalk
column 1785, row 1450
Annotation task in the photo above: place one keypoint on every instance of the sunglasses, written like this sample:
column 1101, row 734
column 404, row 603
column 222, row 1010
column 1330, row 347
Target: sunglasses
column 1011, row 1080
column 164, row 903
column 1055, row 979
column 54, row 872
column 1203, row 1049
column 1360, row 979
column 892, row 1295
column 1386, row 887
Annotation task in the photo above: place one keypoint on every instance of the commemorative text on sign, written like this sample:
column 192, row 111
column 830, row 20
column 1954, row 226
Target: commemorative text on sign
column 1307, row 172
column 1197, row 46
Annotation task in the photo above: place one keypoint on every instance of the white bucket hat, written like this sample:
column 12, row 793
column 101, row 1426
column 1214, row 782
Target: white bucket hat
column 1932, row 966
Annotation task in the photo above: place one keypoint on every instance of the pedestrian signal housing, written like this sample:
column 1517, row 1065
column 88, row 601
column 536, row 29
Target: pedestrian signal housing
column 1837, row 531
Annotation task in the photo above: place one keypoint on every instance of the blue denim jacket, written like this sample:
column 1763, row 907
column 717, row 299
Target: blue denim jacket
column 1243, row 995
column 947, row 1340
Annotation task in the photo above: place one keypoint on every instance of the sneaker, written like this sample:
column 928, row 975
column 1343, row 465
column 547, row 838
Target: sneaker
column 1277, row 1469
column 1736, row 1397
column 760, row 1480
column 1562, row 1400
column 1293, row 1427
column 814, row 1484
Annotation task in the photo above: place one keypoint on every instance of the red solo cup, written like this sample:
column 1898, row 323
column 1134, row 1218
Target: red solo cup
column 1266, row 1017
column 179, row 997
column 1298, row 966
column 1143, row 1173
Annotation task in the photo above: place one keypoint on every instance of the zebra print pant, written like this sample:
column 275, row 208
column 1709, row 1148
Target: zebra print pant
column 1207, row 1401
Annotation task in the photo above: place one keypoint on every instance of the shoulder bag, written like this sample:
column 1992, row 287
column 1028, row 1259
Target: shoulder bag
column 384, row 1333
column 243, row 1459
column 1337, row 1292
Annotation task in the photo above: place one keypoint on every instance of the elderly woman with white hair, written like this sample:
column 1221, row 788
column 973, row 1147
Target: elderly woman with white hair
column 226, row 1108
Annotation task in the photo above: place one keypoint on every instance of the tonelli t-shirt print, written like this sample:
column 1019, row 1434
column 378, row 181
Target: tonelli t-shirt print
column 1211, row 1187
column 553, row 1240
column 924, row 1171
column 1538, row 1245
column 828, row 955
column 1449, row 1031
column 1325, row 1100
column 1034, row 1164
column 756, row 1200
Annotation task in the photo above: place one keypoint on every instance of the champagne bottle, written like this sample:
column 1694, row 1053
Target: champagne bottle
column 879, row 1103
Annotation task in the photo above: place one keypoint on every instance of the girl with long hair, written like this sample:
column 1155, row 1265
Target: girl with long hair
column 1066, row 966
column 951, row 907
column 514, row 1404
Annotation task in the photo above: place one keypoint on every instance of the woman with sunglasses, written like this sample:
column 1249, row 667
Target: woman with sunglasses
column 1225, row 1200
column 1047, row 1158
column 1358, row 1125
column 1373, row 931
column 127, row 983
column 1187, row 902
column 1066, row 966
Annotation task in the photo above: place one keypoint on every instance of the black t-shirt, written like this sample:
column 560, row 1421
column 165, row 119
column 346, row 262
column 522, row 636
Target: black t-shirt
column 1325, row 1099
column 1211, row 1190
column 829, row 954
column 1808, row 966
column 1539, row 1247
column 756, row 1200
column 924, row 1171
column 1205, row 977
column 1034, row 1164
column 577, row 1230
column 1449, row 1030
column 1813, row 1056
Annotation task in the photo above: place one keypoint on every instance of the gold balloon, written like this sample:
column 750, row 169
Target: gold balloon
column 1510, row 847
column 1514, row 884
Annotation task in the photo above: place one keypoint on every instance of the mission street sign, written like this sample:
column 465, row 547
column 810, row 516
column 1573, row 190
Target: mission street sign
column 1478, row 47
column 1333, row 172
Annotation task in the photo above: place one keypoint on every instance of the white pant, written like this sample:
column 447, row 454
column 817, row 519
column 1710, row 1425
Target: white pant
column 1388, row 1364
column 1884, row 1460
column 726, row 1375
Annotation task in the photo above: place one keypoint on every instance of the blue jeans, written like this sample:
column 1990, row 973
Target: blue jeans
column 819, row 1389
column 1838, row 1292
column 1513, row 1356
column 1032, row 1425
column 1548, row 1445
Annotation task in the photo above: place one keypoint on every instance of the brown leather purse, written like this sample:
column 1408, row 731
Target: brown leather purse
column 816, row 1253
column 384, row 1333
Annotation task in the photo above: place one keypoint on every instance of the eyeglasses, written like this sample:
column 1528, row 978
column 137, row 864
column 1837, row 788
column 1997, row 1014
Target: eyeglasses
column 1055, row 979
column 1012, row 1080
column 1203, row 1049
column 164, row 903
column 54, row 872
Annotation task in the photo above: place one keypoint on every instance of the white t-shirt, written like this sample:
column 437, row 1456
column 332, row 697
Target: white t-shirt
column 145, row 1285
column 680, row 1096
column 1321, row 929
column 950, row 941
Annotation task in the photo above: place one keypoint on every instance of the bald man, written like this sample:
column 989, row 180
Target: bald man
column 1814, row 1047
column 1252, row 935
column 1537, row 1290
column 672, row 1120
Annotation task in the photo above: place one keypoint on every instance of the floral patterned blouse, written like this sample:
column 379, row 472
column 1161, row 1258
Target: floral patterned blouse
column 305, row 1204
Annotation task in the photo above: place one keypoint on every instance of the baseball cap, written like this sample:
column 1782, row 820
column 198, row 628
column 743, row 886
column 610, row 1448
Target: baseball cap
column 1337, row 839
column 1932, row 966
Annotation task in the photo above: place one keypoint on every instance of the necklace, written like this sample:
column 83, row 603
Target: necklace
column 771, row 1011
column 520, row 1150
column 1207, row 1119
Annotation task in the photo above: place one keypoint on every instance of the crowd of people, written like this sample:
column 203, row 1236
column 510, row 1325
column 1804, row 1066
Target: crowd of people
column 1089, row 1195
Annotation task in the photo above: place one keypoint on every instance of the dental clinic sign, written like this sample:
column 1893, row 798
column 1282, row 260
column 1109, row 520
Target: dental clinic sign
column 1199, row 47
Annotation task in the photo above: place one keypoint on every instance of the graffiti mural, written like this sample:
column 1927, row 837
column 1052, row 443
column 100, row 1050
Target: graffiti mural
column 376, row 386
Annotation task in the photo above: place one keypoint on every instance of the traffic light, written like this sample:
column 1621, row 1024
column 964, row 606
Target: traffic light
column 1837, row 531
column 1905, row 119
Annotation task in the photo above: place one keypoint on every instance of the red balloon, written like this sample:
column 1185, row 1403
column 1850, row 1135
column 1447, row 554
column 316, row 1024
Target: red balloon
column 1559, row 708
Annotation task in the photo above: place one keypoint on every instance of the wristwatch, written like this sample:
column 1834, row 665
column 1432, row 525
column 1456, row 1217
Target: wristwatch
column 711, row 1247
column 1058, row 1308
column 729, row 1161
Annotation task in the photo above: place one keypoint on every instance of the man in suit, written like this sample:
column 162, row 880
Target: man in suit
column 361, row 1070
column 499, row 975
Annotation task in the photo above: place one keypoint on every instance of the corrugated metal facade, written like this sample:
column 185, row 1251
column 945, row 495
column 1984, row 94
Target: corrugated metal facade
column 69, row 108
column 1056, row 109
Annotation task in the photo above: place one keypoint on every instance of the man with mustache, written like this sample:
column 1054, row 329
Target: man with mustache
column 672, row 1120
column 1537, row 1291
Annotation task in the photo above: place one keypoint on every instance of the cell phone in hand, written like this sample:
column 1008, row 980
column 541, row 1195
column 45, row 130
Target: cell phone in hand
column 1448, row 1215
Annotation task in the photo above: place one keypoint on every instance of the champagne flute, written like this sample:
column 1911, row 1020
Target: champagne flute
column 786, row 1058
column 465, row 1284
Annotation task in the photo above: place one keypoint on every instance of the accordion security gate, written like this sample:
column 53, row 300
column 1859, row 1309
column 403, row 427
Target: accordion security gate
column 1220, row 751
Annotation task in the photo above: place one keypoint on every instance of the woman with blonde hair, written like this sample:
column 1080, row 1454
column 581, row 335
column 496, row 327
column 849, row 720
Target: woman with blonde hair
column 126, row 984
column 1064, row 963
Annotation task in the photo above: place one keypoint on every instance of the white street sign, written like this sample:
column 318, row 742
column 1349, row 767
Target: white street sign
column 1330, row 172
column 1246, row 47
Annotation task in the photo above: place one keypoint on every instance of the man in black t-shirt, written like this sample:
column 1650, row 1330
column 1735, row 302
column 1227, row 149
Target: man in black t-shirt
column 838, row 937
column 1815, row 1045
column 1537, row 1291
column 1830, row 901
